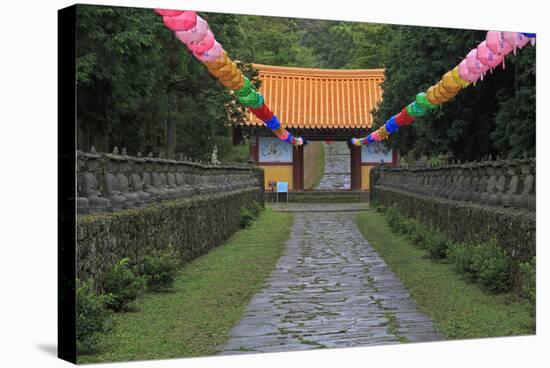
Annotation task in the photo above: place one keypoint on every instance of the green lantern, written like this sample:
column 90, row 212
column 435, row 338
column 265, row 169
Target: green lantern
column 251, row 99
column 422, row 101
column 245, row 89
column 413, row 109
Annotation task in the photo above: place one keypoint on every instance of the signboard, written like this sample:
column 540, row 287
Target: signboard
column 272, row 149
column 375, row 153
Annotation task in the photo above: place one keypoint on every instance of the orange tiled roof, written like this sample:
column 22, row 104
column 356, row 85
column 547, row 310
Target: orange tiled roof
column 320, row 98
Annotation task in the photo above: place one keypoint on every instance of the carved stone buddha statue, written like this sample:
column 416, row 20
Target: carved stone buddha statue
column 513, row 185
column 124, row 181
column 183, row 177
column 500, row 184
column 148, row 182
column 137, row 166
column 110, row 181
column 490, row 188
column 91, row 181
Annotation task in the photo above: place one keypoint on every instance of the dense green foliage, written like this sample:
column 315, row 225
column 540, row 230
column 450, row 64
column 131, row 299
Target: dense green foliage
column 92, row 316
column 483, row 261
column 123, row 285
column 139, row 88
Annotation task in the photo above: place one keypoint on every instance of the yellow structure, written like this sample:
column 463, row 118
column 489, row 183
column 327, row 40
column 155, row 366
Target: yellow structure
column 277, row 173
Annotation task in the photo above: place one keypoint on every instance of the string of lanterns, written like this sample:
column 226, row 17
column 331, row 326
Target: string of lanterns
column 485, row 57
column 194, row 32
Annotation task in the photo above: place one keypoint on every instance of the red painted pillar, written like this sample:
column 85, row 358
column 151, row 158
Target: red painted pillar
column 298, row 167
column 355, row 167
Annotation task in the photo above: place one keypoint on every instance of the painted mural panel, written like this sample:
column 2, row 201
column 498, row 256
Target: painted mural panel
column 272, row 149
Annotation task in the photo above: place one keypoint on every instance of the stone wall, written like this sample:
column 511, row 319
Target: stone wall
column 483, row 200
column 191, row 205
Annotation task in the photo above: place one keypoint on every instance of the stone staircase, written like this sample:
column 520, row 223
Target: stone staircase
column 321, row 196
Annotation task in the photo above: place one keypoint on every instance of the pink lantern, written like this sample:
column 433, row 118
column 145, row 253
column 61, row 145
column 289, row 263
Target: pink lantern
column 203, row 45
column 212, row 54
column 169, row 12
column 486, row 56
column 524, row 40
column 182, row 22
column 496, row 43
column 515, row 39
column 374, row 136
column 474, row 65
column 195, row 34
column 465, row 73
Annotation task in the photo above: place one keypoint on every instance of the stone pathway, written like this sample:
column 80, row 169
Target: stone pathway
column 329, row 289
column 337, row 173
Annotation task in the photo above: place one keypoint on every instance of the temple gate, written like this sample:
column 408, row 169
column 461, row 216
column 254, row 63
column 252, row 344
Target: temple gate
column 319, row 105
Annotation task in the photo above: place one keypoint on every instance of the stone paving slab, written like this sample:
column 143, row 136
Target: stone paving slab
column 329, row 289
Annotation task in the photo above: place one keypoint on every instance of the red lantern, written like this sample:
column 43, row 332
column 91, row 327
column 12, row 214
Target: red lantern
column 263, row 112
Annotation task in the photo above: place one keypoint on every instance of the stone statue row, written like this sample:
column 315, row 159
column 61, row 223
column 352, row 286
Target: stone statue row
column 109, row 181
column 509, row 183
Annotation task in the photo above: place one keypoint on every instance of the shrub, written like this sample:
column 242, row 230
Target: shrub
column 484, row 261
column 247, row 217
column 122, row 283
column 160, row 268
column 393, row 217
column 249, row 214
column 528, row 280
column 436, row 244
column 417, row 233
column 92, row 316
column 491, row 266
column 460, row 254
column 256, row 208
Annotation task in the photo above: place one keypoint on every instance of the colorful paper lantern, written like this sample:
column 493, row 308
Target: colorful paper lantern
column 218, row 63
column 497, row 44
column 245, row 89
column 263, row 113
column 422, row 101
column 433, row 96
column 465, row 73
column 474, row 65
column 391, row 126
column 211, row 55
column 447, row 95
column 486, row 56
column 203, row 45
column 516, row 39
column 454, row 73
column 449, row 83
column 182, row 22
column 194, row 34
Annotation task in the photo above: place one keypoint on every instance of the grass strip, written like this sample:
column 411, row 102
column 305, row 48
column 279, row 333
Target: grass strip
column 459, row 308
column 207, row 299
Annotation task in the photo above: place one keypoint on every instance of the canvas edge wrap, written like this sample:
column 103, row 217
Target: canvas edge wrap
column 66, row 175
